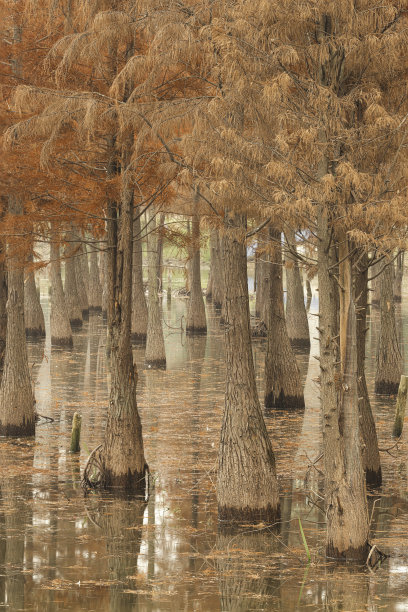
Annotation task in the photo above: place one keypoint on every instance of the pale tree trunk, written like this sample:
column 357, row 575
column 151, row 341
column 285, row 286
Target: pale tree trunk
column 218, row 287
column 261, row 283
column 159, row 270
column 61, row 334
column 139, row 306
column 16, row 392
column 389, row 359
column 95, row 289
column 209, row 289
column 3, row 311
column 247, row 488
column 104, row 282
column 283, row 388
column 296, row 315
column 399, row 272
column 84, row 264
column 370, row 454
column 196, row 321
column 155, row 356
column 70, row 289
column 375, row 289
column 124, row 464
column 81, row 281
column 33, row 313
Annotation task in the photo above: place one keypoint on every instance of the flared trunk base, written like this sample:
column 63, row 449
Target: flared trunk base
column 196, row 330
column 76, row 323
column 18, row 431
column 284, row 402
column 131, row 483
column 66, row 342
column 233, row 516
column 385, row 387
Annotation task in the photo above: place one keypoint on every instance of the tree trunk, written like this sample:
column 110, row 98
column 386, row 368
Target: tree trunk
column 209, row 288
column 95, row 289
column 370, row 454
column 70, row 289
column 196, row 320
column 155, row 356
column 33, row 313
column 104, row 283
column 16, row 392
column 260, row 285
column 389, row 359
column 399, row 272
column 85, row 270
column 376, row 276
column 296, row 315
column 124, row 465
column 159, row 269
column 283, row 388
column 80, row 281
column 139, row 306
column 61, row 334
column 247, row 489
column 218, row 287
column 3, row 310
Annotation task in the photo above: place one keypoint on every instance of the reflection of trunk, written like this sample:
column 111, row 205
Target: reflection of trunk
column 155, row 356
column 139, row 306
column 59, row 323
column 399, row 272
column 283, row 388
column 16, row 393
column 247, row 488
column 196, row 322
column 33, row 314
column 389, row 360
column 296, row 315
column 70, row 288
column 123, row 454
column 370, row 455
column 95, row 289
column 217, row 272
column 3, row 311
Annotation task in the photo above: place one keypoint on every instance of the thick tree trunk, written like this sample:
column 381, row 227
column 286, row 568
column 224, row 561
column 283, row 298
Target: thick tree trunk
column 296, row 316
column 16, row 392
column 139, row 306
column 155, row 356
column 247, row 488
column 389, row 359
column 33, row 313
column 95, row 289
column 123, row 455
column 61, row 334
column 3, row 311
column 370, row 454
column 196, row 321
column 70, row 289
column 399, row 273
column 283, row 388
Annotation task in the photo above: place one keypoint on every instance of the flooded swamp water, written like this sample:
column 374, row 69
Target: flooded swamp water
column 60, row 550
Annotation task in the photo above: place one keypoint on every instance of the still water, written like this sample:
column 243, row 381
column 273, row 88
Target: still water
column 60, row 550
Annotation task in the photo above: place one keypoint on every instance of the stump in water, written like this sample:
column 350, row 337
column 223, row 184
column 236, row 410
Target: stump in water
column 400, row 408
column 76, row 433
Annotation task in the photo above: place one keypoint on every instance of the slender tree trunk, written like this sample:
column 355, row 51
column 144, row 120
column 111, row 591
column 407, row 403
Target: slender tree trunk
column 123, row 455
column 247, row 488
column 283, row 388
column 3, row 310
column 399, row 272
column 85, row 270
column 196, row 320
column 104, row 282
column 139, row 306
column 260, row 285
column 218, row 287
column 209, row 289
column 80, row 282
column 61, row 334
column 159, row 270
column 70, row 289
column 155, row 356
column 389, row 359
column 296, row 315
column 376, row 276
column 370, row 454
column 33, row 313
column 16, row 393
column 95, row 289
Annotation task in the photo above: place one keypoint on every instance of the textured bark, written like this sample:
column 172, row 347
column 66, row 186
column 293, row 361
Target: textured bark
column 70, row 289
column 16, row 392
column 389, row 359
column 209, row 288
column 80, row 281
column 261, row 286
column 196, row 320
column 3, row 311
column 104, row 283
column 159, row 268
column 85, row 270
column 296, row 316
column 33, row 313
column 247, row 488
column 155, row 356
column 399, row 273
column 370, row 454
column 123, row 455
column 61, row 334
column 283, row 388
column 139, row 306
column 218, row 287
column 95, row 289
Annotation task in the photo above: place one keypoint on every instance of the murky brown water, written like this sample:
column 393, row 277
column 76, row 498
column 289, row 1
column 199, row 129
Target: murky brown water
column 61, row 551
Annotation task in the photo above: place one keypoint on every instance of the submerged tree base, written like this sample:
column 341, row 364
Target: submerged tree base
column 85, row 314
column 231, row 517
column 284, row 402
column 368, row 554
column 18, row 431
column 196, row 330
column 66, row 342
column 77, row 323
column 385, row 387
column 35, row 332
column 373, row 478
column 300, row 343
column 95, row 309
column 138, row 338
column 156, row 364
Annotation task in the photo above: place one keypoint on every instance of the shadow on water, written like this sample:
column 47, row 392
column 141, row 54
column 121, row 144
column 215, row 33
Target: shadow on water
column 59, row 551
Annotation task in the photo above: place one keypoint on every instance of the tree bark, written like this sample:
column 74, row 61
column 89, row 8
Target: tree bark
column 33, row 313
column 104, row 283
column 16, row 392
column 95, row 289
column 139, row 306
column 217, row 272
column 399, row 273
column 61, row 334
column 370, row 454
column 155, row 356
column 296, row 315
column 124, row 464
column 196, row 319
column 283, row 388
column 85, row 270
column 3, row 310
column 80, row 281
column 70, row 289
column 247, row 488
column 389, row 359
